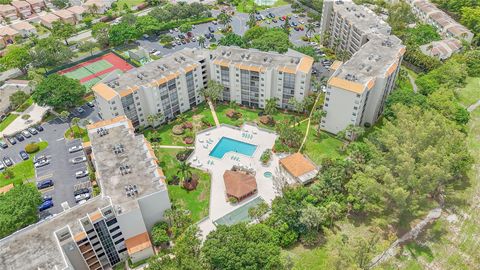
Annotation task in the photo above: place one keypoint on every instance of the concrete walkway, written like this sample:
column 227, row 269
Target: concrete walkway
column 473, row 106
column 212, row 109
column 173, row 147
column 36, row 114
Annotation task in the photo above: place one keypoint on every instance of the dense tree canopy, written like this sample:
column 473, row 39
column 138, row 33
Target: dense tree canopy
column 50, row 52
column 100, row 32
column 16, row 56
column 18, row 208
column 59, row 92
column 63, row 30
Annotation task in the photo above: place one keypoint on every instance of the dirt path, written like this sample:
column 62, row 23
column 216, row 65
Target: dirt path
column 212, row 109
column 433, row 215
column 412, row 82
column 309, row 122
column 473, row 106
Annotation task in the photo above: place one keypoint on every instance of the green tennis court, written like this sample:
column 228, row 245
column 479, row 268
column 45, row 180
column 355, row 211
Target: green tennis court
column 89, row 69
column 240, row 214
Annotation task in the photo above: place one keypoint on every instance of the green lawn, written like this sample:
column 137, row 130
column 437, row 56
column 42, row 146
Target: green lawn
column 130, row 3
column 306, row 259
column 23, row 170
column 196, row 201
column 4, row 124
column 320, row 146
column 470, row 93
column 246, row 6
column 78, row 133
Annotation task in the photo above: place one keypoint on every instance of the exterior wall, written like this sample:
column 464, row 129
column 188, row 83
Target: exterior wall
column 141, row 255
column 109, row 109
column 131, row 223
column 75, row 259
column 153, row 207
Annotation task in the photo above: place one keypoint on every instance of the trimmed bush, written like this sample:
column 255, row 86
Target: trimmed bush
column 25, row 116
column 178, row 130
column 31, row 148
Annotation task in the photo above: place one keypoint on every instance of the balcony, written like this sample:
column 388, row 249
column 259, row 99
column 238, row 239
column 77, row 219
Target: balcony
column 85, row 247
column 88, row 254
column 92, row 261
column 95, row 266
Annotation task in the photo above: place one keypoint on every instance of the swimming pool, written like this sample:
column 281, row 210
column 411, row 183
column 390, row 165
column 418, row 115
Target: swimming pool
column 226, row 145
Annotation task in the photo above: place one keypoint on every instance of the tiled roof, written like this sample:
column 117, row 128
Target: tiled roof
column 297, row 165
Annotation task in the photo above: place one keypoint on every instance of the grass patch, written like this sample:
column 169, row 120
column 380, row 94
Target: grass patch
column 321, row 145
column 25, row 105
column 469, row 94
column 196, row 201
column 129, row 3
column 4, row 124
column 307, row 259
column 23, row 170
column 77, row 132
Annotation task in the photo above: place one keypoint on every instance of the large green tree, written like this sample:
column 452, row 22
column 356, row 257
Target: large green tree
column 50, row 52
column 18, row 208
column 16, row 56
column 123, row 33
column 63, row 30
column 59, row 92
column 242, row 246
column 100, row 31
column 213, row 91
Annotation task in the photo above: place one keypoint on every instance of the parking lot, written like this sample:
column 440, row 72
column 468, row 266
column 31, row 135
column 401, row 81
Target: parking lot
column 60, row 169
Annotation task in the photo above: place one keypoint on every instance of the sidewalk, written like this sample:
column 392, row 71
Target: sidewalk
column 212, row 109
column 36, row 113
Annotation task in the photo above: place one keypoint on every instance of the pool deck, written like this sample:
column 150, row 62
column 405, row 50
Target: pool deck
column 219, row 206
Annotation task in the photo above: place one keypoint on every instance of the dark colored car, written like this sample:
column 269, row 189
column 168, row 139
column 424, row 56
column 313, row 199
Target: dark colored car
column 12, row 140
column 3, row 144
column 274, row 20
column 39, row 128
column 24, row 155
column 19, row 137
column 45, row 205
column 81, row 191
column 211, row 29
column 47, row 198
column 7, row 161
column 90, row 104
column 189, row 34
column 45, row 184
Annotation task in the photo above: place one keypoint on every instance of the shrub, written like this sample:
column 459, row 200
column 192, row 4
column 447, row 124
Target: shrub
column 232, row 200
column 31, row 148
column 188, row 140
column 267, row 120
column 231, row 113
column 191, row 183
column 187, row 125
column 182, row 156
column 266, row 156
column 178, row 130
column 25, row 116
column 159, row 234
column 96, row 191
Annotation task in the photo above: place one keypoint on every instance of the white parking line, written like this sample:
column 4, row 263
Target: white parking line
column 60, row 139
column 44, row 176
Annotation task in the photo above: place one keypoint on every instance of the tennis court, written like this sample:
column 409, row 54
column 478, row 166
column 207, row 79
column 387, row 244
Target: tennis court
column 92, row 71
column 238, row 215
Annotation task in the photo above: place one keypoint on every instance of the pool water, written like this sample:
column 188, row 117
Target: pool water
column 226, row 145
column 267, row 174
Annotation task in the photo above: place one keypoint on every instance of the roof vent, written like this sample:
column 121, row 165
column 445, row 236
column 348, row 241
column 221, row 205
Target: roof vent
column 369, row 68
column 102, row 132
column 125, row 169
column 131, row 190
column 118, row 149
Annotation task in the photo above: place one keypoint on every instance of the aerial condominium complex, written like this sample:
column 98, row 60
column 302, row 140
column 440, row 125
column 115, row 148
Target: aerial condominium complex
column 357, row 90
column 108, row 228
column 173, row 84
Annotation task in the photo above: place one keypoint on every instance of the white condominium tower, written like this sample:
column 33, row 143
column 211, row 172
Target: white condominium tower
column 357, row 90
column 173, row 84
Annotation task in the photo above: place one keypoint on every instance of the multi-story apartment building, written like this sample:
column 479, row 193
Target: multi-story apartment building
column 250, row 77
column 23, row 8
column 37, row 5
column 172, row 85
column 108, row 228
column 8, row 12
column 348, row 26
column 357, row 89
column 445, row 25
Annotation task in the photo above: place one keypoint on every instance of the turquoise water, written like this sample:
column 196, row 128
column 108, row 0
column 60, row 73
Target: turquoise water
column 267, row 174
column 226, row 145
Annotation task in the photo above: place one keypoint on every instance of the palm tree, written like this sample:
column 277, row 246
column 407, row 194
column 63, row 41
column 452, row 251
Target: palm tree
column 201, row 41
column 184, row 170
column 271, row 106
column 252, row 21
column 151, row 119
column 309, row 28
column 286, row 25
column 317, row 116
column 64, row 115
column 225, row 19
column 353, row 132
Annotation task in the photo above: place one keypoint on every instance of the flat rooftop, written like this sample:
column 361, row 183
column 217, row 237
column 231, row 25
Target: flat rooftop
column 126, row 164
column 150, row 73
column 247, row 57
column 372, row 60
column 36, row 247
column 361, row 17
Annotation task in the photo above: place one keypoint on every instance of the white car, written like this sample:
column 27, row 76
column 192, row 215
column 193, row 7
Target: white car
column 81, row 173
column 75, row 148
column 41, row 163
column 324, row 89
column 313, row 43
column 82, row 197
column 157, row 53
column 79, row 159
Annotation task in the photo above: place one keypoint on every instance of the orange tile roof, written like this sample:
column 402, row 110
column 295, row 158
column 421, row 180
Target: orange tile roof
column 287, row 70
column 391, row 69
column 150, row 149
column 239, row 184
column 189, row 68
column 20, row 4
column 129, row 91
column 6, row 188
column 336, row 64
column 305, row 64
column 86, row 144
column 95, row 216
column 49, row 18
column 8, row 31
column 223, row 63
column 370, row 84
column 250, row 67
column 104, row 123
column 104, row 91
column 346, row 85
column 138, row 243
column 80, row 236
column 401, row 52
column 22, row 25
column 297, row 165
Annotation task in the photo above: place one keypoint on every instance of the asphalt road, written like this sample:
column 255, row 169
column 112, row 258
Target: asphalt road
column 60, row 169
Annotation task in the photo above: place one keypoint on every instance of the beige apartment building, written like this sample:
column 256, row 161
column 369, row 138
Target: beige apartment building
column 357, row 90
column 108, row 228
column 23, row 8
column 445, row 25
column 8, row 12
column 172, row 85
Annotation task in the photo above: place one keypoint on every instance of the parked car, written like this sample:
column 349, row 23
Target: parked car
column 45, row 205
column 19, row 137
column 7, row 161
column 24, row 155
column 81, row 173
column 189, row 34
column 91, row 104
column 79, row 159
column 26, row 134
column 75, row 148
column 32, row 131
column 2, row 166
column 11, row 140
column 274, row 20
column 211, row 29
column 81, row 197
column 47, row 198
column 39, row 157
column 80, row 110
column 3, row 144
column 41, row 163
column 2, row 117
column 45, row 184
column 39, row 128
column 214, row 22
column 81, row 191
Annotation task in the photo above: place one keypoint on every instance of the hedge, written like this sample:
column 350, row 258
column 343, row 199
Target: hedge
column 31, row 148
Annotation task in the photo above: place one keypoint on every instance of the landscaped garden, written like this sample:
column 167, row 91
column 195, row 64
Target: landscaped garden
column 21, row 171
column 7, row 121
column 76, row 132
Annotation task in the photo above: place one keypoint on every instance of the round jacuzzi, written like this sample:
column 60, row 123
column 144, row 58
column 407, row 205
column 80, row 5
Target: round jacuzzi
column 267, row 174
